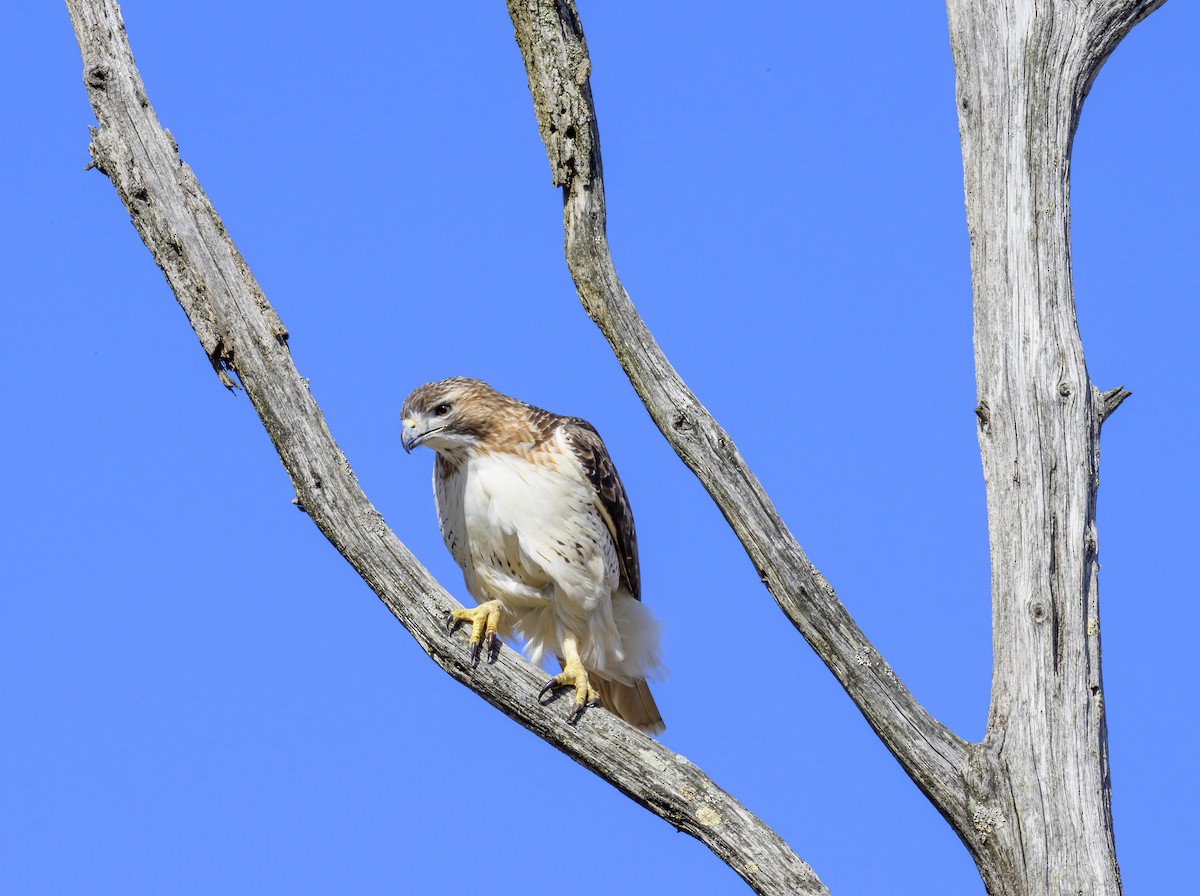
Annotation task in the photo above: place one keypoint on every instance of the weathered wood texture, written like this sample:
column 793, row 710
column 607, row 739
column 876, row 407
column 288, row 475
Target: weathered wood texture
column 1040, row 791
column 558, row 66
column 242, row 335
column 1031, row 802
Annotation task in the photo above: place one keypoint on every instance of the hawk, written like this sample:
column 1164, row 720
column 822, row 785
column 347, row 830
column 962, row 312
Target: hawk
column 532, row 510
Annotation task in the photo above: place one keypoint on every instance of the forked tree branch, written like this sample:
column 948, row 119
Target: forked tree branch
column 242, row 335
column 558, row 66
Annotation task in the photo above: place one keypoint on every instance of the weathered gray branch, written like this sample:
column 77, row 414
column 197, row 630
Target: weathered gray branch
column 241, row 334
column 1111, row 400
column 558, row 66
column 1031, row 802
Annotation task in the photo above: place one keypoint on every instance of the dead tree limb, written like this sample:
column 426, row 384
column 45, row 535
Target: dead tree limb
column 557, row 64
column 1031, row 802
column 242, row 335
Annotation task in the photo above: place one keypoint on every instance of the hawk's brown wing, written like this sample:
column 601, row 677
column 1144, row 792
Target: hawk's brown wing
column 611, row 499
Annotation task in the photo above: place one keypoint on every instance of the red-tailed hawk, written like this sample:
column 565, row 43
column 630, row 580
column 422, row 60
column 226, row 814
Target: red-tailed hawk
column 532, row 509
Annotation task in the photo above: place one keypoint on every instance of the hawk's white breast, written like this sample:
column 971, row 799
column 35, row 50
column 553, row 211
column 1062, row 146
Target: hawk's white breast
column 526, row 531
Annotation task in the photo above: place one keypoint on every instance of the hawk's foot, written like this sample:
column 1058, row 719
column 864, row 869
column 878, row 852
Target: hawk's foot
column 576, row 676
column 484, row 619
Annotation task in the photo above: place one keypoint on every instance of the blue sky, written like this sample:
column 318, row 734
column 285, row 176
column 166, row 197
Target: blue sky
column 200, row 696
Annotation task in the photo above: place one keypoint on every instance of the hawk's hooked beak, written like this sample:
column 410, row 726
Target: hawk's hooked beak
column 409, row 437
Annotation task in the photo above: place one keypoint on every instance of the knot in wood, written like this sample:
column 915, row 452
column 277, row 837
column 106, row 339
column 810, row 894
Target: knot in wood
column 1038, row 612
column 1064, row 389
column 984, row 413
column 97, row 76
column 681, row 422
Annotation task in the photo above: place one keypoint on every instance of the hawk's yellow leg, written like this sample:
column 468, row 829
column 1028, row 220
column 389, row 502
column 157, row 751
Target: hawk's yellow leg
column 484, row 619
column 576, row 676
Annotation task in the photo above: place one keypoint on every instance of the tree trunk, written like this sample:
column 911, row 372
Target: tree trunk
column 1039, row 787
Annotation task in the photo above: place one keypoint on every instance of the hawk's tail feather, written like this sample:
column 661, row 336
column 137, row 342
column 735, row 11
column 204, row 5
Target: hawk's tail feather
column 633, row 702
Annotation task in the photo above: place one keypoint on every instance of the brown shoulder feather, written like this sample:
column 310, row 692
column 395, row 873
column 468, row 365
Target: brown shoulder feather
column 611, row 499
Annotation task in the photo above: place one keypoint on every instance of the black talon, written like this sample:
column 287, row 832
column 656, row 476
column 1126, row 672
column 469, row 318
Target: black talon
column 576, row 715
column 451, row 624
column 475, row 650
column 493, row 647
column 549, row 686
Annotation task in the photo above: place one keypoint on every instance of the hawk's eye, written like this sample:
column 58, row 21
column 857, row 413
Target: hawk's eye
column 442, row 409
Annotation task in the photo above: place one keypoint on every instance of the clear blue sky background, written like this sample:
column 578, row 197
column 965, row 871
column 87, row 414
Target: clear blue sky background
column 197, row 695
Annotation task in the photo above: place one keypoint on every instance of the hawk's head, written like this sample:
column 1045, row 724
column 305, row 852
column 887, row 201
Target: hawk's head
column 450, row 416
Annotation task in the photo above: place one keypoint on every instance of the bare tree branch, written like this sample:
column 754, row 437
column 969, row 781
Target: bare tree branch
column 1111, row 400
column 558, row 66
column 1031, row 802
column 241, row 334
